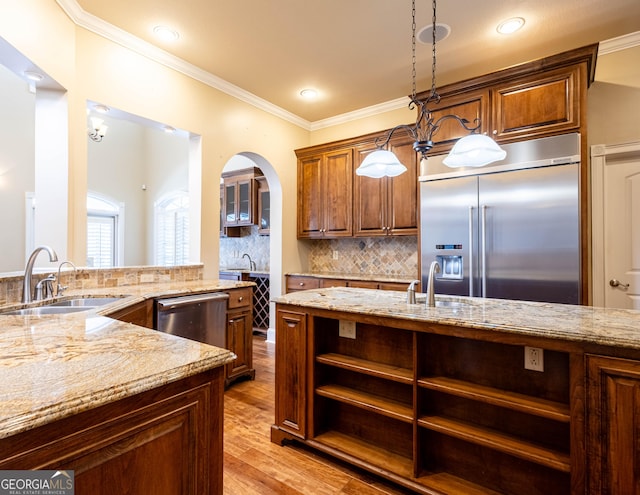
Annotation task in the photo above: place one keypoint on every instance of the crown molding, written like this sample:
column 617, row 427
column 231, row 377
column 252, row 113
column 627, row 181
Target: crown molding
column 121, row 37
column 98, row 26
column 620, row 43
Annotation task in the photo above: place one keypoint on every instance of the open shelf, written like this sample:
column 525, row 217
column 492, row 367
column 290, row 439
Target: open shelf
column 367, row 401
column 357, row 451
column 388, row 372
column 498, row 441
column 510, row 400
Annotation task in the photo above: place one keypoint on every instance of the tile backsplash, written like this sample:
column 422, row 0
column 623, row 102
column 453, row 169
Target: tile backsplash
column 94, row 278
column 389, row 256
column 256, row 246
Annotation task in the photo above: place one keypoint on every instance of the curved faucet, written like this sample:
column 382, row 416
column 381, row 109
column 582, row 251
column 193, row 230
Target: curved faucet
column 252, row 264
column 60, row 288
column 27, row 294
column 431, row 292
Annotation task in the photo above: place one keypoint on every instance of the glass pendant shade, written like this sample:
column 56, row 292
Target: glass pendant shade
column 380, row 163
column 474, row 150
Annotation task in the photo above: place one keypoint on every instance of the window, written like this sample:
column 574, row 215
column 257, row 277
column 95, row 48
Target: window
column 104, row 227
column 172, row 229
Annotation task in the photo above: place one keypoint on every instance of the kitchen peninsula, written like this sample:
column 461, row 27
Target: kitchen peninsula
column 129, row 409
column 439, row 399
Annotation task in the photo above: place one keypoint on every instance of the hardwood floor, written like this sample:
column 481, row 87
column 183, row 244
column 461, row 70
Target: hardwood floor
column 255, row 466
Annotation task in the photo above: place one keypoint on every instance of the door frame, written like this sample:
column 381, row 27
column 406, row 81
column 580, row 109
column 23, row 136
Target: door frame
column 599, row 155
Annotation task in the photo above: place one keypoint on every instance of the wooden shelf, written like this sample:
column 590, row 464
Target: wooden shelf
column 497, row 441
column 388, row 372
column 510, row 400
column 367, row 401
column 358, row 452
column 367, row 452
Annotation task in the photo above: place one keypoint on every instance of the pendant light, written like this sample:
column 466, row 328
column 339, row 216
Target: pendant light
column 474, row 150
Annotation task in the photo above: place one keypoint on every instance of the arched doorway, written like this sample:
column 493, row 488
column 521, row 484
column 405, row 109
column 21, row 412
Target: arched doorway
column 272, row 263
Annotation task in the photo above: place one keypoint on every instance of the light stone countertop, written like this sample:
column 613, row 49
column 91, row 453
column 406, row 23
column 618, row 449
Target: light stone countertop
column 583, row 324
column 402, row 279
column 54, row 366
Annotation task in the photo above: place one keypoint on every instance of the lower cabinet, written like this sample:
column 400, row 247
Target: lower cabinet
column 436, row 413
column 613, row 425
column 239, row 338
column 140, row 314
column 167, row 441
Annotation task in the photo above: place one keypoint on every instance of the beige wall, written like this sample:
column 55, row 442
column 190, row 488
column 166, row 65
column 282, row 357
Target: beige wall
column 614, row 99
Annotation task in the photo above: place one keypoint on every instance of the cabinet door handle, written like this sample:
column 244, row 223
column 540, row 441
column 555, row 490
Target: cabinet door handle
column 301, row 284
column 495, row 131
column 240, row 299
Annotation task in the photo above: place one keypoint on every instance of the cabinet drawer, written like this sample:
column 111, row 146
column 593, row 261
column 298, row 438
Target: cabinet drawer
column 240, row 298
column 302, row 283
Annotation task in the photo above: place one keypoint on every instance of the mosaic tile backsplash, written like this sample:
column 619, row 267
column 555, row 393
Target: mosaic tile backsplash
column 389, row 256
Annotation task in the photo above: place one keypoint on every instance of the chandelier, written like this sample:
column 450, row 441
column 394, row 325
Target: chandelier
column 474, row 150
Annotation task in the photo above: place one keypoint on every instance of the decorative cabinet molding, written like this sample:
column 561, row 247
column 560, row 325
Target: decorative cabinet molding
column 305, row 282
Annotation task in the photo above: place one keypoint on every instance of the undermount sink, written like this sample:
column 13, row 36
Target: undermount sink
column 62, row 307
column 47, row 310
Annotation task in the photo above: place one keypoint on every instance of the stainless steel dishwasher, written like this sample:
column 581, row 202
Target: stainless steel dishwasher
column 201, row 317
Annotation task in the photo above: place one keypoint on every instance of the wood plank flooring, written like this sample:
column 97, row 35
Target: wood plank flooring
column 255, row 466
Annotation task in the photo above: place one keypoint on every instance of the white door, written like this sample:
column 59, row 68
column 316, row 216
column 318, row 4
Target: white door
column 616, row 216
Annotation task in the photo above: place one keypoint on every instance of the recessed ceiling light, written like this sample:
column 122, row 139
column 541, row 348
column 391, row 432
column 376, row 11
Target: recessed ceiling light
column 101, row 108
column 309, row 94
column 33, row 76
column 510, row 25
column 166, row 33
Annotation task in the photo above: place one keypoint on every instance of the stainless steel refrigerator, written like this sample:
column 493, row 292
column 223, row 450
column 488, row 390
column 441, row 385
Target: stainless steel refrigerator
column 510, row 230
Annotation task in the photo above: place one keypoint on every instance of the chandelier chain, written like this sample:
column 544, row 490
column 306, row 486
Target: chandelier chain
column 413, row 49
column 433, row 52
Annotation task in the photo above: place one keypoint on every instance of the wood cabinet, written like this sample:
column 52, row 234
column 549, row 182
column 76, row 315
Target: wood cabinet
column 325, row 194
column 304, row 282
column 387, row 206
column 166, row 441
column 239, row 338
column 536, row 99
column 291, row 362
column 140, row 314
column 240, row 197
column 264, row 206
column 613, row 425
column 437, row 409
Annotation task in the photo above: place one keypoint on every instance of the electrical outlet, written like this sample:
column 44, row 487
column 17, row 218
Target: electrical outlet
column 347, row 329
column 533, row 358
column 335, row 254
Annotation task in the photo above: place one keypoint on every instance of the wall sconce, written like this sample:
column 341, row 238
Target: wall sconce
column 98, row 129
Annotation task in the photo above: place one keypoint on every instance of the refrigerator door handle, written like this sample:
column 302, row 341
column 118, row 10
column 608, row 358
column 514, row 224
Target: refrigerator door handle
column 471, row 253
column 483, row 247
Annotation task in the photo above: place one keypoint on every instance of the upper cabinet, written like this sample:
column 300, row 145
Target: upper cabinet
column 387, row 206
column 240, row 197
column 325, row 191
column 536, row 99
column 264, row 206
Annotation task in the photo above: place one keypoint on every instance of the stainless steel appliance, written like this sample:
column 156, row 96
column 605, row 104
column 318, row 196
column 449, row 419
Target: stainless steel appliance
column 507, row 231
column 201, row 317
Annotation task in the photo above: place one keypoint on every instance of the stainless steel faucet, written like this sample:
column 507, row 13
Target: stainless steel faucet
column 252, row 264
column 27, row 294
column 61, row 288
column 431, row 292
column 411, row 292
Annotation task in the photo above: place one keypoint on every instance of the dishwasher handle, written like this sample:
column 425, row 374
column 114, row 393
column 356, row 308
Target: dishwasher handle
column 177, row 302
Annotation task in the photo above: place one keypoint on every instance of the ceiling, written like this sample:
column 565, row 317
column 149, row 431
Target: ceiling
column 356, row 53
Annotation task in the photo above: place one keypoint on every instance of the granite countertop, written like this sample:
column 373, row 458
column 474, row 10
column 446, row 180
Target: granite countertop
column 54, row 366
column 585, row 324
column 403, row 279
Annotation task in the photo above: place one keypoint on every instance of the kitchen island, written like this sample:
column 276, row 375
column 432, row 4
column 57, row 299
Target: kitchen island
column 129, row 409
column 440, row 399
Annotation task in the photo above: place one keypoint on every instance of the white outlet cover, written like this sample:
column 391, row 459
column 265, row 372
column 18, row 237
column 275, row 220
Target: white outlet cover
column 534, row 358
column 347, row 329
